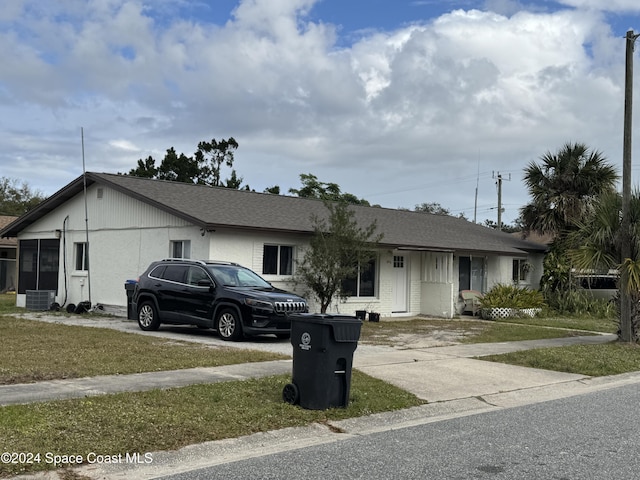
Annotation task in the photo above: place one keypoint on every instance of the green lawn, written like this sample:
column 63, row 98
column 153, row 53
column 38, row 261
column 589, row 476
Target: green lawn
column 153, row 420
column 169, row 419
column 8, row 304
column 592, row 360
column 591, row 324
column 34, row 351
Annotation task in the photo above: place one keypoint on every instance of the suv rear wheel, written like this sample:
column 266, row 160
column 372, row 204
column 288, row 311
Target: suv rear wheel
column 229, row 325
column 148, row 318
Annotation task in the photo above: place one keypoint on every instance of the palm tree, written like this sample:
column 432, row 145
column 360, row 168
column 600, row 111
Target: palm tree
column 599, row 245
column 563, row 187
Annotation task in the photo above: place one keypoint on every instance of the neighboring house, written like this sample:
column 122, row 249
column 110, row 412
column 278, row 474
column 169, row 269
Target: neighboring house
column 8, row 246
column 542, row 238
column 85, row 241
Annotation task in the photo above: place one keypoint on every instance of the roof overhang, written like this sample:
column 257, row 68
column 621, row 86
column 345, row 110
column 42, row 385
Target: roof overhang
column 45, row 207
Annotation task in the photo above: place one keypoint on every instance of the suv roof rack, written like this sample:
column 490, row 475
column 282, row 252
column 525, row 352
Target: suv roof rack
column 183, row 260
column 199, row 262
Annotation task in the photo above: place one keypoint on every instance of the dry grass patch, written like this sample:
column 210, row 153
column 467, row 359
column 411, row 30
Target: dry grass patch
column 431, row 332
column 401, row 332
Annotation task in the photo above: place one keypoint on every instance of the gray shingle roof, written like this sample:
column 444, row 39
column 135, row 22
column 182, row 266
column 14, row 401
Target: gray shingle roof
column 216, row 207
column 5, row 220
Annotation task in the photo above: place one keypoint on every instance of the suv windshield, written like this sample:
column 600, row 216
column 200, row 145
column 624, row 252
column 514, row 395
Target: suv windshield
column 234, row 276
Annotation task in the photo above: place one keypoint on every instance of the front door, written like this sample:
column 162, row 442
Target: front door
column 400, row 284
column 471, row 273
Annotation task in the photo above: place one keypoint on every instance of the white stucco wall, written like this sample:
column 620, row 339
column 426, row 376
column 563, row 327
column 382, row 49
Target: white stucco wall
column 501, row 270
column 438, row 299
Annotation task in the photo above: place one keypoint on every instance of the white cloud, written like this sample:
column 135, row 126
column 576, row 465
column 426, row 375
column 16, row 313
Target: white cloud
column 400, row 117
column 125, row 145
column 605, row 5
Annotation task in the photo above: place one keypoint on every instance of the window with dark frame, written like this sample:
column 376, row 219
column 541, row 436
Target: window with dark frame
column 181, row 249
column 277, row 260
column 519, row 271
column 38, row 264
column 363, row 284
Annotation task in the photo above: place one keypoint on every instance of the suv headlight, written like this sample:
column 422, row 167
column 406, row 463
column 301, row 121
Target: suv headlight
column 260, row 304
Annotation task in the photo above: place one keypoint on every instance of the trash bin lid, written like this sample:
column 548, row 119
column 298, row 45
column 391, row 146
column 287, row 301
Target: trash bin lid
column 344, row 327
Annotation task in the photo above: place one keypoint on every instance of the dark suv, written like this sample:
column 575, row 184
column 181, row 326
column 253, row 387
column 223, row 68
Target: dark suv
column 224, row 296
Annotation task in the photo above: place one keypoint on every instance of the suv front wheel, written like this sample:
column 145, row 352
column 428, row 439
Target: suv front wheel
column 148, row 317
column 229, row 325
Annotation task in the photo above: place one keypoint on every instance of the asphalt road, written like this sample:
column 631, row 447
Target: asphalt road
column 591, row 436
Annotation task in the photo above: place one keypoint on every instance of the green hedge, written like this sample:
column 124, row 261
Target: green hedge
column 512, row 296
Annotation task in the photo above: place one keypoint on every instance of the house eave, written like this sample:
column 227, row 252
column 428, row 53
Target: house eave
column 45, row 207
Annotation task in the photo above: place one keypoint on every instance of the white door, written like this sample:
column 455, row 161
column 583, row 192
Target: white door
column 400, row 284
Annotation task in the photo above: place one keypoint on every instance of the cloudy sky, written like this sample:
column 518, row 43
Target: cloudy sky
column 399, row 102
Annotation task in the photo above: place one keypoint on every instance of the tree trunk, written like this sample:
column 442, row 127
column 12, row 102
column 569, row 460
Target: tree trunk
column 634, row 299
column 632, row 330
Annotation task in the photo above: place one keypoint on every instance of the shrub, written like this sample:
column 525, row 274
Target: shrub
column 512, row 296
column 577, row 302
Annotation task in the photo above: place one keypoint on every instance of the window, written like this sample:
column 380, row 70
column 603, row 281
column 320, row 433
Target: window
column 82, row 256
column 471, row 272
column 175, row 273
column 38, row 265
column 277, row 260
column 363, row 284
column 181, row 249
column 197, row 274
column 520, row 268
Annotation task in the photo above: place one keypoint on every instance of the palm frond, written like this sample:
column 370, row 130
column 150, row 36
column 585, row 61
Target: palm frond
column 632, row 269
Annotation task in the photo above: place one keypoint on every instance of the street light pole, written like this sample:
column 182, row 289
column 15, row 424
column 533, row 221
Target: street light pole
column 626, row 326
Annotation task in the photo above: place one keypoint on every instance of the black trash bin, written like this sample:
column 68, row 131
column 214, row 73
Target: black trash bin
column 130, row 286
column 323, row 347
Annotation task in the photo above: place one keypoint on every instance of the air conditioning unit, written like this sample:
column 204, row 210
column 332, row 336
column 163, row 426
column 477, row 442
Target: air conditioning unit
column 40, row 299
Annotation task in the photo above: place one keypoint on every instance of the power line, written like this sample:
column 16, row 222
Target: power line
column 422, row 186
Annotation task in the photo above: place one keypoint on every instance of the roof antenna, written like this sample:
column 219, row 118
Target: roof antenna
column 86, row 219
column 475, row 205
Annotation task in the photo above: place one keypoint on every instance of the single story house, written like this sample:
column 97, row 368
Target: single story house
column 84, row 242
column 8, row 248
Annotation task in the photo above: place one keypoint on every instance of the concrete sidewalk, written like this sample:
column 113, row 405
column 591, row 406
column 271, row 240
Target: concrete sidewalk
column 434, row 374
column 137, row 382
column 449, row 373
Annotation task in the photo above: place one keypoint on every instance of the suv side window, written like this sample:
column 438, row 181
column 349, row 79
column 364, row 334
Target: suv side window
column 157, row 272
column 195, row 275
column 175, row 273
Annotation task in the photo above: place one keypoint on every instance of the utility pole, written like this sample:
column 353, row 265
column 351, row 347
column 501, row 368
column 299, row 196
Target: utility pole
column 626, row 324
column 499, row 184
